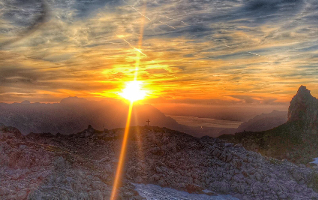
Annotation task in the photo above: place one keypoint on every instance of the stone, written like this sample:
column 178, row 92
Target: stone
column 139, row 179
column 258, row 176
column 83, row 196
column 224, row 187
column 216, row 152
column 4, row 191
column 95, row 195
column 191, row 188
column 22, row 194
column 162, row 182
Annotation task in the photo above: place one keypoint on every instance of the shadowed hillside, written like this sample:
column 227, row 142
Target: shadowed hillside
column 296, row 140
column 260, row 123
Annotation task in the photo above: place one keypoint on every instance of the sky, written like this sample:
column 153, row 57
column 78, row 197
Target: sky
column 201, row 52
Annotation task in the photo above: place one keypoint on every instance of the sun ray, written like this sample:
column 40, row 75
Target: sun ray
column 122, row 154
column 126, row 133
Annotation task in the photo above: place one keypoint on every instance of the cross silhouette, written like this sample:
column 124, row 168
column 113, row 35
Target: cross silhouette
column 148, row 122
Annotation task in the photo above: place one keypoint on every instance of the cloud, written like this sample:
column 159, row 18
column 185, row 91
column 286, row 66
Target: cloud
column 86, row 7
column 263, row 10
column 205, row 49
column 246, row 99
column 26, row 15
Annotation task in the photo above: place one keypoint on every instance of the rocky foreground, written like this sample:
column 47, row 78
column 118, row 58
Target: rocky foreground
column 82, row 166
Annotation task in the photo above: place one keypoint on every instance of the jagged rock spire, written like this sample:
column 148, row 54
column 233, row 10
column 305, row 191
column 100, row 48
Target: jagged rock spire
column 303, row 92
column 304, row 108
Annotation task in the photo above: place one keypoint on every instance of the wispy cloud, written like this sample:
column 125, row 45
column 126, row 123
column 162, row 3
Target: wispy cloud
column 206, row 49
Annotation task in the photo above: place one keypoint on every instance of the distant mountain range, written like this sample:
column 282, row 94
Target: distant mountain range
column 295, row 140
column 73, row 114
column 261, row 122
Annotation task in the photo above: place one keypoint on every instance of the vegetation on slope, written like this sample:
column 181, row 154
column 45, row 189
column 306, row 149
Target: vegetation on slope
column 287, row 141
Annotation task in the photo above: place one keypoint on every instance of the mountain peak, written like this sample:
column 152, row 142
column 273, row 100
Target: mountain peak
column 303, row 97
column 304, row 108
column 303, row 92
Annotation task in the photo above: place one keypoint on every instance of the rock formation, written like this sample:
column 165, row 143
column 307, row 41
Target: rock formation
column 82, row 166
column 304, row 109
column 295, row 140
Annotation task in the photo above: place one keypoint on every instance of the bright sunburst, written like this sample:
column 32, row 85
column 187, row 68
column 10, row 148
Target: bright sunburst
column 133, row 91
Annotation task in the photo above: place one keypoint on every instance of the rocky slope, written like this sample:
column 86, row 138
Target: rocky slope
column 264, row 122
column 295, row 140
column 82, row 166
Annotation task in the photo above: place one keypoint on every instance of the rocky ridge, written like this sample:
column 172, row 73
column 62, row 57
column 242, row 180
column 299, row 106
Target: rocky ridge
column 304, row 108
column 296, row 140
column 82, row 166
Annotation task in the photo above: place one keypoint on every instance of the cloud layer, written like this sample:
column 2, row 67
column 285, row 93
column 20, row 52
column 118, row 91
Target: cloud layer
column 249, row 51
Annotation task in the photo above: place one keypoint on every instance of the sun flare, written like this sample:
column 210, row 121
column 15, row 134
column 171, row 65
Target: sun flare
column 133, row 91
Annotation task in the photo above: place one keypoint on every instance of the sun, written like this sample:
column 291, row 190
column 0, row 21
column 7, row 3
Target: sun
column 133, row 91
